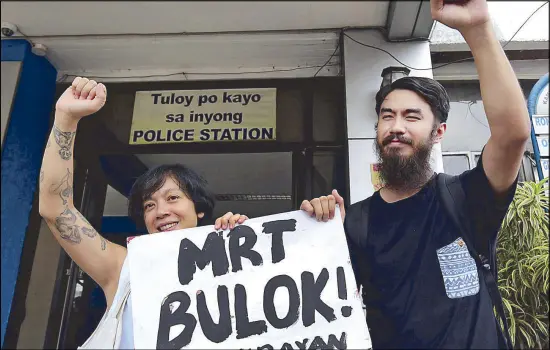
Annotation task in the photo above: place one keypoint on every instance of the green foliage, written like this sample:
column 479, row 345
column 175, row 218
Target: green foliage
column 523, row 270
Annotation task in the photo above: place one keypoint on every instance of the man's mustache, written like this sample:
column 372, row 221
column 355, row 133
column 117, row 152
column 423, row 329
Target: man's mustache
column 388, row 139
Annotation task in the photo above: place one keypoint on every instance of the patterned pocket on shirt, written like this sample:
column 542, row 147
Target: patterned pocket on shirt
column 459, row 270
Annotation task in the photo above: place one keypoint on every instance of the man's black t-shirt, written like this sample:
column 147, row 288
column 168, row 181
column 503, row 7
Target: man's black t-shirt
column 421, row 287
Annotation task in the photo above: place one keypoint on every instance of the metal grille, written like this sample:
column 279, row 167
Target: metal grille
column 252, row 197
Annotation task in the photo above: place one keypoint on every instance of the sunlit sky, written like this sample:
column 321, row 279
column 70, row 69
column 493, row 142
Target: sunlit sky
column 507, row 17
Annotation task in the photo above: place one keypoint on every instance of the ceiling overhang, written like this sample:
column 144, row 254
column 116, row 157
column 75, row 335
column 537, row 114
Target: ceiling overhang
column 409, row 20
column 165, row 40
column 76, row 18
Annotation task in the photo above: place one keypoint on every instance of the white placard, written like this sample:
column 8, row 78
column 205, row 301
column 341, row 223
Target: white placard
column 544, row 164
column 294, row 287
column 543, row 143
column 541, row 124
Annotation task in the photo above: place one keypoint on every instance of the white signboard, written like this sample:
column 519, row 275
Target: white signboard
column 544, row 164
column 541, row 124
column 280, row 281
column 542, row 141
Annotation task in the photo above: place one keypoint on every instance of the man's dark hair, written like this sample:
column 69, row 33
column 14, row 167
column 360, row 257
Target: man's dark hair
column 191, row 183
column 430, row 90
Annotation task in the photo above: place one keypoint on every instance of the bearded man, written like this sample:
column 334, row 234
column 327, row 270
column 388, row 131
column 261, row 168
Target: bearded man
column 422, row 285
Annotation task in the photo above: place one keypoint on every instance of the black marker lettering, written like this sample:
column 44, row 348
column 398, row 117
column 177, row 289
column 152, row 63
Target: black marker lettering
column 215, row 332
column 265, row 347
column 302, row 345
column 293, row 304
column 311, row 296
column 277, row 228
column 317, row 343
column 168, row 319
column 341, row 279
column 336, row 343
column 191, row 256
column 245, row 328
column 237, row 251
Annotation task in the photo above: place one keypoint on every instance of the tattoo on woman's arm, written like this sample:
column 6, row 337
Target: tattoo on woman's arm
column 83, row 218
column 90, row 232
column 64, row 189
column 65, row 140
column 70, row 231
column 66, row 225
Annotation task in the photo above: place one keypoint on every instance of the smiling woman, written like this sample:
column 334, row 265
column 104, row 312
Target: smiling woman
column 169, row 197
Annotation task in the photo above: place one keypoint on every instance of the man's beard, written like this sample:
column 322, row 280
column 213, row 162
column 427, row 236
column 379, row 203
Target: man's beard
column 404, row 173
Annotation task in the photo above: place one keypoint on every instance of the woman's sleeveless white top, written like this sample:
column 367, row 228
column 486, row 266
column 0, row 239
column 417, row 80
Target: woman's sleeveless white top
column 115, row 330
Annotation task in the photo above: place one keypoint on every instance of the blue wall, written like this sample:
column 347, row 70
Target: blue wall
column 24, row 142
column 120, row 225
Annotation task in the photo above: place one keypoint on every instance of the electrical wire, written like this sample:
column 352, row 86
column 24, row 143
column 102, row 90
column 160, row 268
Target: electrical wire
column 420, row 38
column 469, row 111
column 473, row 116
column 24, row 37
column 525, row 22
column 185, row 74
column 448, row 63
column 331, row 56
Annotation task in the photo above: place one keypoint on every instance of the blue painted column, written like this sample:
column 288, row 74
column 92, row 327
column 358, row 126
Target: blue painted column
column 22, row 151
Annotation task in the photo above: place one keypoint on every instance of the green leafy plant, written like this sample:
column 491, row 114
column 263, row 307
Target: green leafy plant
column 523, row 270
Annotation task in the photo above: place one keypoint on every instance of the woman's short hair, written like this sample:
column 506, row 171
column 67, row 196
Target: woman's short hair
column 191, row 183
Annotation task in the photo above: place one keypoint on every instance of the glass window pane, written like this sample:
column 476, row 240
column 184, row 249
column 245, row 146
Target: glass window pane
column 290, row 121
column 328, row 115
column 455, row 164
column 476, row 158
column 328, row 173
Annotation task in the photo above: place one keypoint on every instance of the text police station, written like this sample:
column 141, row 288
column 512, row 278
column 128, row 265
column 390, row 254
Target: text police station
column 214, row 134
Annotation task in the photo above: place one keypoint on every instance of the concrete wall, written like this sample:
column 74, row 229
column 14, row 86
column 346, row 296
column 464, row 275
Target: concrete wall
column 10, row 76
column 363, row 66
column 467, row 126
column 40, row 292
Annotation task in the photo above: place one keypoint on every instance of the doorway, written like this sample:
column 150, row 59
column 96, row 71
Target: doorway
column 255, row 184
column 256, row 178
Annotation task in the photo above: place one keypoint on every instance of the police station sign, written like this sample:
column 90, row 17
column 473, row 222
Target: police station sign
column 176, row 116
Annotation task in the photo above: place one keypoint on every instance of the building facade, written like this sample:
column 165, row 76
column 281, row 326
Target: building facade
column 324, row 59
